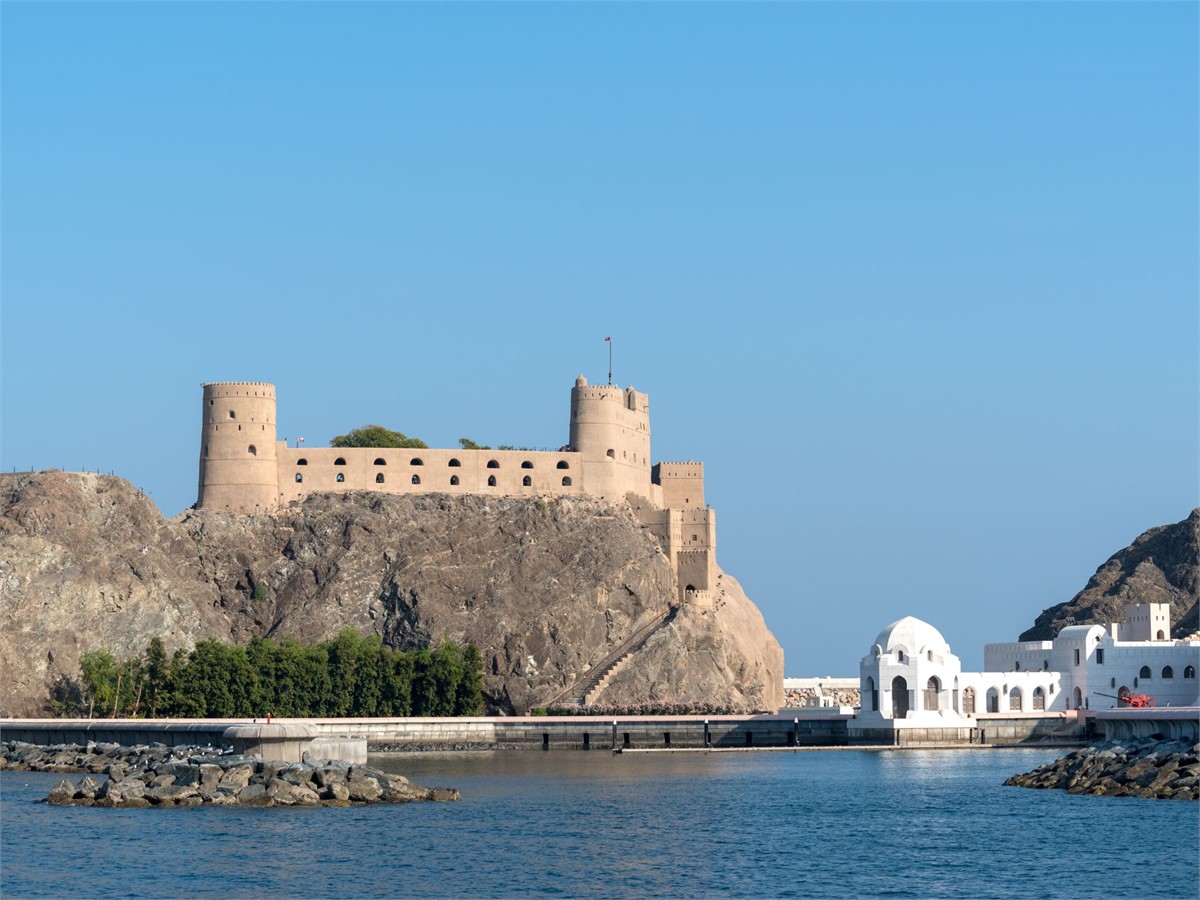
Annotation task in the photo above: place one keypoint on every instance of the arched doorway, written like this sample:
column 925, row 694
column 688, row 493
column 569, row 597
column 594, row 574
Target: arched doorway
column 1077, row 694
column 899, row 698
column 1014, row 699
column 932, row 688
column 871, row 695
column 1039, row 698
column 968, row 701
column 993, row 700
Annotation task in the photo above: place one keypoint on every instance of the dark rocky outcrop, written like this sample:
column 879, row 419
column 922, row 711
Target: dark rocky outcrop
column 1130, row 768
column 1161, row 566
column 157, row 775
column 545, row 587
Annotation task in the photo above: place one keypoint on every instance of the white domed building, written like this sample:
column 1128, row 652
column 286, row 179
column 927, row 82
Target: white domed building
column 910, row 675
column 913, row 689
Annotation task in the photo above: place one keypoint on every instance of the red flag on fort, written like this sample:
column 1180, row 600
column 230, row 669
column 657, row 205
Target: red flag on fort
column 608, row 339
column 299, row 440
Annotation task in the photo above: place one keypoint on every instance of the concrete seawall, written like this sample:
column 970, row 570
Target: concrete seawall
column 523, row 732
column 792, row 728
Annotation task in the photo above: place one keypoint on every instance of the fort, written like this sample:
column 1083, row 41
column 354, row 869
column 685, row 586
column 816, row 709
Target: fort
column 245, row 469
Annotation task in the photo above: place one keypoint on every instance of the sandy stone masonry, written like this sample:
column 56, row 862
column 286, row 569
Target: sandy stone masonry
column 244, row 469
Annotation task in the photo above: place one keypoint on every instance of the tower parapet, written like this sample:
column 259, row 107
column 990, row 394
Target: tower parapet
column 238, row 469
column 682, row 484
column 610, row 429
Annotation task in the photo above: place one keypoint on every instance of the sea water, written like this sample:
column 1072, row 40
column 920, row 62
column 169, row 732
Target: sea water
column 574, row 824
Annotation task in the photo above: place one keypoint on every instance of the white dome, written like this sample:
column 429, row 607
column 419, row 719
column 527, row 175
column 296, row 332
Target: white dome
column 912, row 635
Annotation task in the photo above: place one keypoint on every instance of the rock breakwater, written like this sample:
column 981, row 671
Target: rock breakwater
column 192, row 776
column 1167, row 770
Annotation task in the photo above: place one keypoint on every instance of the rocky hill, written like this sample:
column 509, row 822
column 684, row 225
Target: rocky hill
column 1161, row 566
column 547, row 588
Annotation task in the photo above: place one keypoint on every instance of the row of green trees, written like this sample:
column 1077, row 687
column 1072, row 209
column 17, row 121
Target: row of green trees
column 347, row 676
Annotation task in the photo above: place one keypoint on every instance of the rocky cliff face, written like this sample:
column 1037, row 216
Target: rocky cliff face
column 546, row 588
column 1161, row 566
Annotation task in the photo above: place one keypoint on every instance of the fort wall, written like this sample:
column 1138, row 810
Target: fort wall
column 509, row 472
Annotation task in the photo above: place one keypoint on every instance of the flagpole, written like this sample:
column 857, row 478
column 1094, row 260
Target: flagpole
column 609, row 340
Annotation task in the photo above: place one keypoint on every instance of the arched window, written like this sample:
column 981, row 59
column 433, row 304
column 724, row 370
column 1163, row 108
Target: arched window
column 341, row 476
column 566, row 481
column 611, row 454
column 1144, row 673
column 968, row 701
column 526, row 481
column 491, row 481
column 993, row 700
column 454, row 464
column 1039, row 698
column 453, row 479
column 1189, row 672
column 416, row 479
column 1014, row 700
column 899, row 698
column 899, row 656
column 526, row 465
column 232, row 414
column 416, row 461
column 1017, row 666
column 1168, row 672
column 299, row 478
column 929, row 655
column 872, row 695
column 339, row 461
column 932, row 687
column 379, row 478
column 492, row 464
column 381, row 461
column 302, row 461
column 562, row 464
column 1045, row 665
column 252, row 450
column 1160, row 636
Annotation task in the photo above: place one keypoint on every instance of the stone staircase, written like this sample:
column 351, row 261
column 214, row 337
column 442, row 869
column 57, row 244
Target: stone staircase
column 596, row 679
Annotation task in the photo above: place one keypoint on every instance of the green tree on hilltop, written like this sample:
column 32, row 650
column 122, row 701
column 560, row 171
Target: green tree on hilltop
column 377, row 436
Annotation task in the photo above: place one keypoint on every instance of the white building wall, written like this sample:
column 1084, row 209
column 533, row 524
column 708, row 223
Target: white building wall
column 1123, row 667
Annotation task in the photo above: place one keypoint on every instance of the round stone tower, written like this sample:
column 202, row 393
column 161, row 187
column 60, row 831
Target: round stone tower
column 610, row 427
column 238, row 470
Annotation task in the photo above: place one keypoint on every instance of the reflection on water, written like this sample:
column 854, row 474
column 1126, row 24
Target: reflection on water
column 807, row 824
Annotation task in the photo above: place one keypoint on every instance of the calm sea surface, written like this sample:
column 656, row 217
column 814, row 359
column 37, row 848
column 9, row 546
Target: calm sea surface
column 831, row 824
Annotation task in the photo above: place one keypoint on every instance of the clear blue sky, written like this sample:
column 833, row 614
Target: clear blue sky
column 917, row 282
